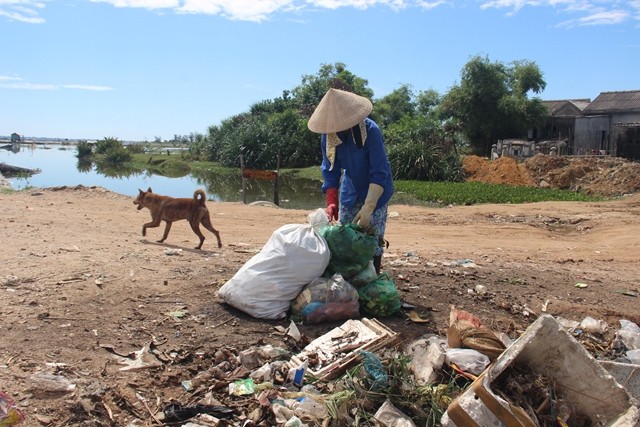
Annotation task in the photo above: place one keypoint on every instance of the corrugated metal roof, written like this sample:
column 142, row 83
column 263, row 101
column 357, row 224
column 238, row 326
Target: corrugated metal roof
column 555, row 106
column 611, row 102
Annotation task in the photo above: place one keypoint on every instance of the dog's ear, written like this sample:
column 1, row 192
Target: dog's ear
column 140, row 191
column 149, row 190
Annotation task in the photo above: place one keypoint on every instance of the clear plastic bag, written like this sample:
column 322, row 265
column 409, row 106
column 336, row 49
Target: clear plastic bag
column 468, row 360
column 326, row 300
column 629, row 333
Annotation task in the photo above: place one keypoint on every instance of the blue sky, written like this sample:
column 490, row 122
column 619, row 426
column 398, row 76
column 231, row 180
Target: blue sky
column 141, row 69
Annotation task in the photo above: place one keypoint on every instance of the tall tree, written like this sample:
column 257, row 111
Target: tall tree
column 491, row 102
column 313, row 87
column 393, row 107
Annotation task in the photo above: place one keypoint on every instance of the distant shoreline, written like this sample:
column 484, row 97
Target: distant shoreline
column 4, row 141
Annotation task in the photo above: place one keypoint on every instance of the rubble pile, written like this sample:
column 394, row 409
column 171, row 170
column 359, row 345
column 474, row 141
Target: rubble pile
column 598, row 176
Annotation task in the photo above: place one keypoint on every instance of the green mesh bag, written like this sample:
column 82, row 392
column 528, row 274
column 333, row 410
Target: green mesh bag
column 379, row 298
column 351, row 249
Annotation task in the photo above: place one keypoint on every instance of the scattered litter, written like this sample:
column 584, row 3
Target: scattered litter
column 242, row 387
column 43, row 381
column 331, row 354
column 177, row 314
column 593, row 326
column 466, row 263
column 140, row 359
column 326, row 300
column 375, row 370
column 581, row 285
column 390, row 416
column 480, row 289
column 294, row 332
column 416, row 318
column 172, row 252
column 492, row 398
column 467, row 359
column 629, row 333
column 570, row 325
column 298, row 377
column 175, row 412
column 467, row 331
column 627, row 293
column 10, row 414
column 427, row 357
column 545, row 305
column 380, row 298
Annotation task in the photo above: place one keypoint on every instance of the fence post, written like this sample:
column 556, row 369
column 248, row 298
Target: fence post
column 244, row 180
column 276, row 195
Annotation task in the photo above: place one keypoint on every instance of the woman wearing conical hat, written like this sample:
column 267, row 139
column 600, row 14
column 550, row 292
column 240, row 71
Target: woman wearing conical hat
column 354, row 160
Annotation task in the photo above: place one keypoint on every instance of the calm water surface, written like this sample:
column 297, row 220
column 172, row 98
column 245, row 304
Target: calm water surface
column 59, row 167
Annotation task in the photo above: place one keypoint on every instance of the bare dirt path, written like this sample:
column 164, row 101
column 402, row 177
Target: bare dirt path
column 79, row 283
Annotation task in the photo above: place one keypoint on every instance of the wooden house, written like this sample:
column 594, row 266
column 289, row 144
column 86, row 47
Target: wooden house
column 559, row 128
column 610, row 125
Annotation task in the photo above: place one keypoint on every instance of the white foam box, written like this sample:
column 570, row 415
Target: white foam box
column 627, row 374
column 549, row 350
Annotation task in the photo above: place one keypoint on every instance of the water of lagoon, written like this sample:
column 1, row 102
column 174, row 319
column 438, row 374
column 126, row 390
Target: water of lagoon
column 59, row 166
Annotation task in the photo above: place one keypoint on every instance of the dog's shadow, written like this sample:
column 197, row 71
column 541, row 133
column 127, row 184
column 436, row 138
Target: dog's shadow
column 169, row 247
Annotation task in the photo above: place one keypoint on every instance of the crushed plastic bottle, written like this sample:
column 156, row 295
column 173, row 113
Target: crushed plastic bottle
column 52, row 383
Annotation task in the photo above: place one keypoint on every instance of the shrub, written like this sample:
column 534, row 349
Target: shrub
column 117, row 155
column 106, row 144
column 83, row 149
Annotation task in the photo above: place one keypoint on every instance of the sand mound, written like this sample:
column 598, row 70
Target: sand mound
column 605, row 176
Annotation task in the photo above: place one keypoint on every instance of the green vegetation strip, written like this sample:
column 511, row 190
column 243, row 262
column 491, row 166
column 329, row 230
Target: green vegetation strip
column 470, row 193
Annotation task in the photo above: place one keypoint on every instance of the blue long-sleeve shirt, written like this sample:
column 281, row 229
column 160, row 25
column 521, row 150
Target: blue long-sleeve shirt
column 361, row 167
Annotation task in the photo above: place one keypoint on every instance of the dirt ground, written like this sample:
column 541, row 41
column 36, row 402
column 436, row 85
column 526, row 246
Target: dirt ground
column 80, row 285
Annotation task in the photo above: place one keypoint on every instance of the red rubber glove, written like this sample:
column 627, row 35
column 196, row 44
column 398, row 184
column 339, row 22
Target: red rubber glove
column 332, row 203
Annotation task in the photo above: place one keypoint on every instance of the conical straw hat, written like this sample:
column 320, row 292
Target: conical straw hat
column 339, row 110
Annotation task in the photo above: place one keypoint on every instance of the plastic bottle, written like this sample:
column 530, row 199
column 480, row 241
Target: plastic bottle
column 298, row 376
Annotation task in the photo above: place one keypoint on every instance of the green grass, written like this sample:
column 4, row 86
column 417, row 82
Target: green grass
column 312, row 172
column 470, row 193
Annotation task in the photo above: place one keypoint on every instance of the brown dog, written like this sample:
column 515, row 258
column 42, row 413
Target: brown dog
column 170, row 209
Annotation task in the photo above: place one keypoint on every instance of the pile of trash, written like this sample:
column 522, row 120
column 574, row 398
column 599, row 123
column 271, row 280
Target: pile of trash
column 315, row 272
column 359, row 374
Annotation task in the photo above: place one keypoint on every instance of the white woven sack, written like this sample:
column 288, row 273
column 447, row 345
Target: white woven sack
column 266, row 284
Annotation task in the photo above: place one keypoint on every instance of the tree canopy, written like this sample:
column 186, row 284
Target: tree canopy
column 423, row 131
column 491, row 102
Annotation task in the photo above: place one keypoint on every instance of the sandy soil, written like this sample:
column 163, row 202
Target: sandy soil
column 80, row 285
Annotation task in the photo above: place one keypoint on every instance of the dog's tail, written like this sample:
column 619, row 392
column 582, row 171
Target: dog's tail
column 200, row 196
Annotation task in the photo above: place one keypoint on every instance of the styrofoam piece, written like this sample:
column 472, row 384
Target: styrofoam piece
column 627, row 374
column 336, row 350
column 548, row 349
column 427, row 356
